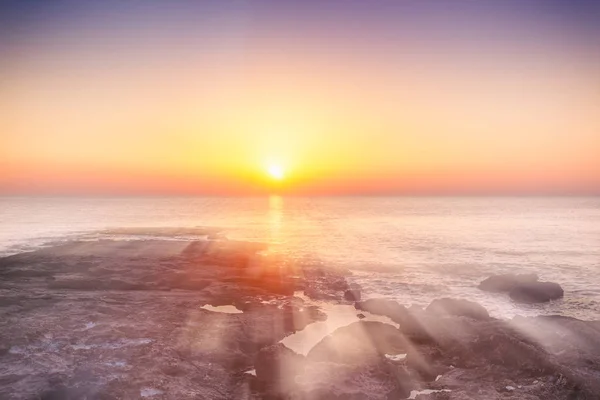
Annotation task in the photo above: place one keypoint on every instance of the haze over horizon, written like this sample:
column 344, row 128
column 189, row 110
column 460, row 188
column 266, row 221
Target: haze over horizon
column 301, row 98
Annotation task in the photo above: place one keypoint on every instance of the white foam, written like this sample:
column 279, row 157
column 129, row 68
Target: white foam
column 300, row 294
column 251, row 372
column 89, row 325
column 118, row 364
column 396, row 357
column 149, row 392
column 223, row 309
column 415, row 393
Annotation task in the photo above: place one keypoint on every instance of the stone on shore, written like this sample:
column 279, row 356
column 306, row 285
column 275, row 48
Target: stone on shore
column 328, row 380
column 457, row 307
column 536, row 292
column 389, row 308
column 363, row 342
column 353, row 293
column 506, row 282
column 276, row 368
column 410, row 320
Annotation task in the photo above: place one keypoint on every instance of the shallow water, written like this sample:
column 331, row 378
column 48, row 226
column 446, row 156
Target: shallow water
column 338, row 315
column 223, row 309
column 410, row 249
column 415, row 393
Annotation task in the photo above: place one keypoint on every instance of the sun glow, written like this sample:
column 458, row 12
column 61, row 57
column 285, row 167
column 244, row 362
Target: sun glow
column 276, row 172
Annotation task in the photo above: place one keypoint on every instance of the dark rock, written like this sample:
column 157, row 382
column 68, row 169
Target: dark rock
column 389, row 308
column 186, row 283
column 573, row 339
column 353, row 293
column 421, row 362
column 327, row 380
column 507, row 349
column 505, row 282
column 359, row 315
column 361, row 342
column 476, row 343
column 536, row 292
column 338, row 284
column 277, row 367
column 458, row 307
column 62, row 392
column 576, row 345
column 418, row 327
column 523, row 288
column 411, row 322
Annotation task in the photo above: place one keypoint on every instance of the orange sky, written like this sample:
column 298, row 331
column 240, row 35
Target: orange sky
column 118, row 111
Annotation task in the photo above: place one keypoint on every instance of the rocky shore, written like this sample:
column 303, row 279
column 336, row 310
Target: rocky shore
column 214, row 319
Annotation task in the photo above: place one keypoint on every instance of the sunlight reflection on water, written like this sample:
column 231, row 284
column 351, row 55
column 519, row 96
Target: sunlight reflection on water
column 411, row 249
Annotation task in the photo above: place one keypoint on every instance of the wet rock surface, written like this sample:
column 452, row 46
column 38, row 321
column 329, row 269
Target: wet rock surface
column 124, row 320
column 111, row 319
column 523, row 288
column 353, row 293
column 360, row 343
column 506, row 282
column 457, row 307
column 277, row 367
column 536, row 292
column 390, row 308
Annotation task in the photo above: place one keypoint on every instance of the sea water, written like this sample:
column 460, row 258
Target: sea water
column 412, row 249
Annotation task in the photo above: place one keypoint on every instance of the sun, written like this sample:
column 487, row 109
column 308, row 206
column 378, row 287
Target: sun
column 276, row 172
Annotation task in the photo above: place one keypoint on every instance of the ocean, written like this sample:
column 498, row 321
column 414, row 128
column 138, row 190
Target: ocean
column 412, row 249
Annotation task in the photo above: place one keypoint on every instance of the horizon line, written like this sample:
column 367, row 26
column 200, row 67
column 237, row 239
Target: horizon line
column 288, row 195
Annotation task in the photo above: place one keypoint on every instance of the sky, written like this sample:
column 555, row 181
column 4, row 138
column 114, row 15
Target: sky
column 340, row 97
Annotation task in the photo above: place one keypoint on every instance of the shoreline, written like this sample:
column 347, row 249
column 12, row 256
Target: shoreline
column 110, row 319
